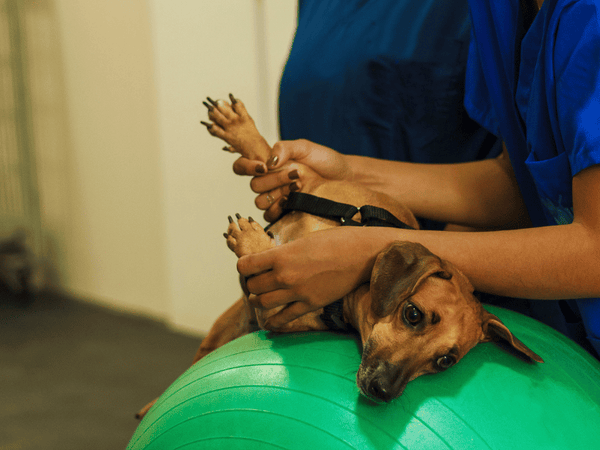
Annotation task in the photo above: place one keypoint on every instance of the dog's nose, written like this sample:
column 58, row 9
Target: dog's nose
column 380, row 389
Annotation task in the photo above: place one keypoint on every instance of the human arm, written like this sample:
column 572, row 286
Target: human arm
column 560, row 261
column 481, row 194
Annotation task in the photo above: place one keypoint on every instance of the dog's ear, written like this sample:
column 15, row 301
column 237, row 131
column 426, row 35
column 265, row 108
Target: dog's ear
column 397, row 273
column 495, row 331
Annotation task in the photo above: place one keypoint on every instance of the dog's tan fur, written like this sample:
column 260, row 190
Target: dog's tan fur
column 406, row 279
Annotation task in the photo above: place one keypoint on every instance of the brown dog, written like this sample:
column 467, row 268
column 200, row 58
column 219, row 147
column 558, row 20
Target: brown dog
column 418, row 314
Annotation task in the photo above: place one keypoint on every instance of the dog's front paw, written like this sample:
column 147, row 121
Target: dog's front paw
column 232, row 123
column 247, row 236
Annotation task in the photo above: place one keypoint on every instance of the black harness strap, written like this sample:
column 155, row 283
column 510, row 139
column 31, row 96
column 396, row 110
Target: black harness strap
column 318, row 206
column 371, row 216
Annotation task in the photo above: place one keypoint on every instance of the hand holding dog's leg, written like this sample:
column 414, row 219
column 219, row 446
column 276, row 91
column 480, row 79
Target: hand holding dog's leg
column 295, row 165
column 312, row 271
column 326, row 162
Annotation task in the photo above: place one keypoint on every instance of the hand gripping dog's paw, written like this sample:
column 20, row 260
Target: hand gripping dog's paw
column 232, row 123
column 247, row 237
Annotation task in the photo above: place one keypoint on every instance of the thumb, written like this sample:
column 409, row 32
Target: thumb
column 255, row 263
column 283, row 151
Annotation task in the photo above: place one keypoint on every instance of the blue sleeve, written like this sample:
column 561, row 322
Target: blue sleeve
column 577, row 74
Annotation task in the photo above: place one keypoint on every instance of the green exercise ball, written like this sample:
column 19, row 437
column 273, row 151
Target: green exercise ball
column 298, row 391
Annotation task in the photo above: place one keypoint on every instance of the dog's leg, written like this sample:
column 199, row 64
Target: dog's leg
column 236, row 322
column 232, row 123
column 243, row 238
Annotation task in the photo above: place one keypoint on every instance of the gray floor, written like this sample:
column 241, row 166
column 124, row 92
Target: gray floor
column 72, row 375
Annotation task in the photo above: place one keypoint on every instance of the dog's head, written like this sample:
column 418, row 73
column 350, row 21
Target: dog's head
column 423, row 319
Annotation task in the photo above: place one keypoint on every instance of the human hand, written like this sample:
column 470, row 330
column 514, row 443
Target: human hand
column 293, row 165
column 306, row 274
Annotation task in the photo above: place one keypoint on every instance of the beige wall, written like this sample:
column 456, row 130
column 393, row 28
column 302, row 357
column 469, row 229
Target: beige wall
column 135, row 193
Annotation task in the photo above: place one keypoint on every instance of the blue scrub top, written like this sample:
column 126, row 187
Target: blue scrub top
column 541, row 95
column 384, row 79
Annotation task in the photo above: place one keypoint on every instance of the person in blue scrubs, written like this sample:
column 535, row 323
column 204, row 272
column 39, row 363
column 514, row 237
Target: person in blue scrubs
column 542, row 96
column 384, row 79
column 533, row 79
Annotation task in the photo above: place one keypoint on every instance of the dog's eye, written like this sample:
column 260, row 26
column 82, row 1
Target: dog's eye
column 412, row 314
column 445, row 362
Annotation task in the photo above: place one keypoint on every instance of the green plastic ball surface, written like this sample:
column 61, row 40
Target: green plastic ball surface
column 298, row 391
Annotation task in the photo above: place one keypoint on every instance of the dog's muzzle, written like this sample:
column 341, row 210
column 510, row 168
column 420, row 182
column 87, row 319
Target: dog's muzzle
column 382, row 381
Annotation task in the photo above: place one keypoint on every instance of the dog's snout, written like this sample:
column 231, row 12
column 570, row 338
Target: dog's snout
column 381, row 380
column 380, row 389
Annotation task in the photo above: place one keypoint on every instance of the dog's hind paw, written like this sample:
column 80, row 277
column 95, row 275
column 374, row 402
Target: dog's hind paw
column 247, row 236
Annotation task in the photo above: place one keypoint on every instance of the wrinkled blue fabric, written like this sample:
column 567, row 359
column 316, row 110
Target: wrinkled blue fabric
column 384, row 79
column 541, row 94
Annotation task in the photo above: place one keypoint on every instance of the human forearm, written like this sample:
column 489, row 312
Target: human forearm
column 311, row 272
column 538, row 263
column 541, row 263
column 480, row 194
column 561, row 261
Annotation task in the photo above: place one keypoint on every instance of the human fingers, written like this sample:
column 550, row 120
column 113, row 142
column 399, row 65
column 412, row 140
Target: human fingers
column 268, row 199
column 324, row 161
column 245, row 166
column 276, row 179
column 284, row 151
column 255, row 264
column 291, row 312
column 275, row 211
column 271, row 300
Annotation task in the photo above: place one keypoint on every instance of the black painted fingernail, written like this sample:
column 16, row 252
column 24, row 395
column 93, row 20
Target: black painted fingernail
column 272, row 162
column 210, row 107
column 260, row 169
column 238, row 216
column 212, row 101
column 230, row 219
column 227, row 149
column 250, row 219
column 233, row 99
column 206, row 124
column 294, row 187
column 293, row 175
column 226, row 235
column 270, row 234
